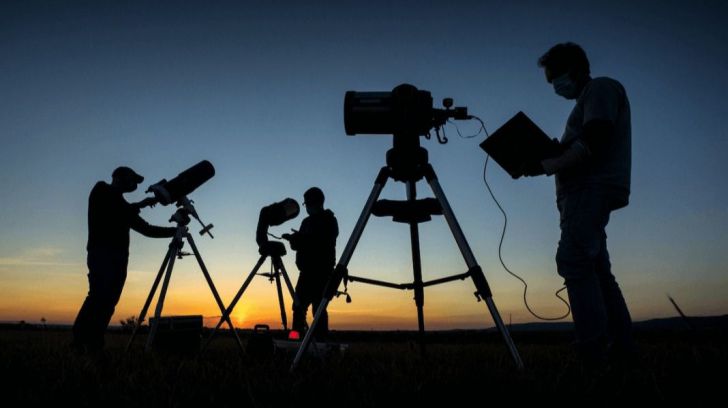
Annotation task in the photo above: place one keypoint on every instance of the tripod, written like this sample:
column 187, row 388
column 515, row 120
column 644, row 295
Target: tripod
column 407, row 162
column 274, row 250
column 182, row 218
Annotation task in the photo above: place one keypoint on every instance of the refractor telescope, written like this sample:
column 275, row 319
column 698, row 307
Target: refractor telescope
column 176, row 191
column 168, row 192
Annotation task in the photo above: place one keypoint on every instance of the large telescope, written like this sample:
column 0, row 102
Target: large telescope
column 176, row 191
column 405, row 110
column 172, row 191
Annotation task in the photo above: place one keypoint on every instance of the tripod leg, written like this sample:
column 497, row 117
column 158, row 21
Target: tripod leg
column 289, row 285
column 279, row 290
column 174, row 249
column 340, row 271
column 417, row 267
column 145, row 308
column 212, row 288
column 226, row 313
column 476, row 273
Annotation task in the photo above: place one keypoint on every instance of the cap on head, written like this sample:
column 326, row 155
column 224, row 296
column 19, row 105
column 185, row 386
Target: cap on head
column 314, row 196
column 125, row 173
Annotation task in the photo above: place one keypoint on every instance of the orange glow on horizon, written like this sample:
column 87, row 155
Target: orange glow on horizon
column 56, row 294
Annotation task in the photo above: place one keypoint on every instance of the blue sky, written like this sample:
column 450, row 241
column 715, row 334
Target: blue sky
column 257, row 88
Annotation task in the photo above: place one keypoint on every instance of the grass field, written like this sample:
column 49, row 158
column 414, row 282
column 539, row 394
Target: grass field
column 459, row 369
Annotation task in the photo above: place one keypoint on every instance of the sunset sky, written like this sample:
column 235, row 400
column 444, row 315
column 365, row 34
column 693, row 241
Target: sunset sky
column 257, row 88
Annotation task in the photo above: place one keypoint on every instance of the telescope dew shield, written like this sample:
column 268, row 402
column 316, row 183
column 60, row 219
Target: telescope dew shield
column 283, row 211
column 168, row 192
column 367, row 112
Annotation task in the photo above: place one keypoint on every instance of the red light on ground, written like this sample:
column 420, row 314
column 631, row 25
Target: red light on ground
column 294, row 335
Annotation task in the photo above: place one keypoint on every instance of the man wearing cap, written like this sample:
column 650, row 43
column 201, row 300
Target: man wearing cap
column 315, row 246
column 110, row 217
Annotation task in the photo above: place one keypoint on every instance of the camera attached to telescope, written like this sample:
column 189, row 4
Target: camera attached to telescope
column 406, row 113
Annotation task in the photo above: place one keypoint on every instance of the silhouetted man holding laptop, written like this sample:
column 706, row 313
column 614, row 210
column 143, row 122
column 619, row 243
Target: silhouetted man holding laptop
column 592, row 175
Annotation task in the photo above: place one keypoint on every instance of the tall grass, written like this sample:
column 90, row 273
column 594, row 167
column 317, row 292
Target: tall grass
column 39, row 368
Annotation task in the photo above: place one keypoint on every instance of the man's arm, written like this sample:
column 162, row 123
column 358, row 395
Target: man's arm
column 151, row 231
column 602, row 102
column 592, row 143
column 313, row 235
column 293, row 239
column 147, row 202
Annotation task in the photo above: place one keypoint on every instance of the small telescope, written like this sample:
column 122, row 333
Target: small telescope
column 272, row 215
column 177, row 189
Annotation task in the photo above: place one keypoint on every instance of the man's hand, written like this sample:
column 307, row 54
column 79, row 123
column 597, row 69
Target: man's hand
column 531, row 169
column 289, row 237
column 147, row 202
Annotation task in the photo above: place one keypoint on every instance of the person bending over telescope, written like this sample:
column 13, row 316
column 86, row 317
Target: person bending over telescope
column 315, row 246
column 110, row 217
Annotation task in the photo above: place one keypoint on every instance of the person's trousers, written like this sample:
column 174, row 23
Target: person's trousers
column 309, row 291
column 106, row 277
column 600, row 314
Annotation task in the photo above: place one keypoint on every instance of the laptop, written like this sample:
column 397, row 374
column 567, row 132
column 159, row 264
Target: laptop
column 517, row 142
